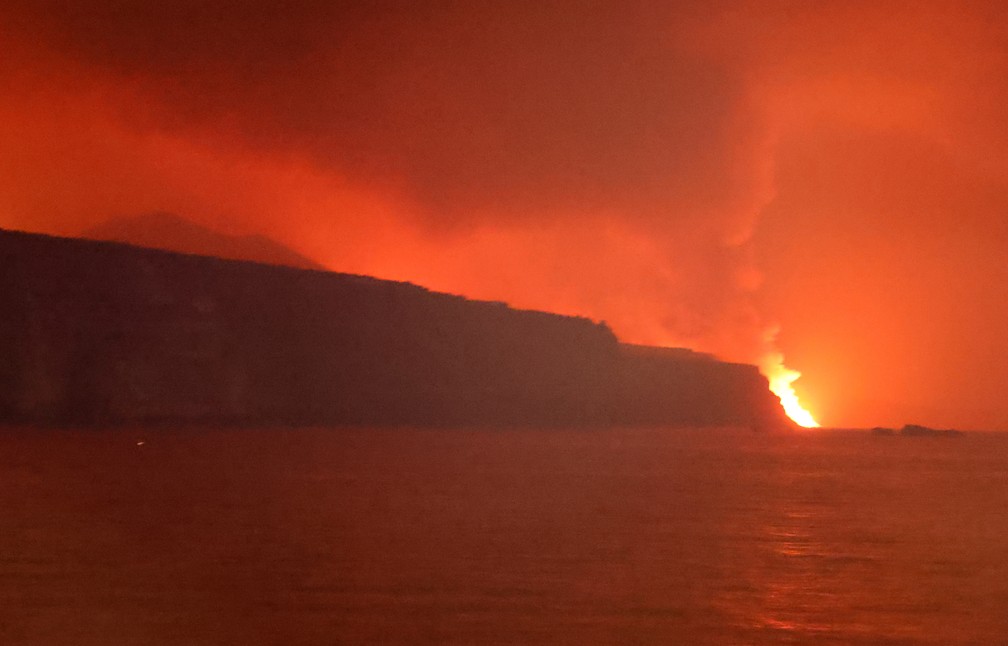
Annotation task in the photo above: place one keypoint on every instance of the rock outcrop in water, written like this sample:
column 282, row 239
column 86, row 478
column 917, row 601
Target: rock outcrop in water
column 104, row 333
column 915, row 430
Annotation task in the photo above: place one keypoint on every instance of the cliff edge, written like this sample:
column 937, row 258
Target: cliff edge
column 105, row 333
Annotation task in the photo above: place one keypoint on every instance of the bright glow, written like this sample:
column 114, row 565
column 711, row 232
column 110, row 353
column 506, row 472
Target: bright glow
column 781, row 377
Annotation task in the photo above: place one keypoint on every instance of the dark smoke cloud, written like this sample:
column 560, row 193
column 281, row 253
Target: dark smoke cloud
column 515, row 108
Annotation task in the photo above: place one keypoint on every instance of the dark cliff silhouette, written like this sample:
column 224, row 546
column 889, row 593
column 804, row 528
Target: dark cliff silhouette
column 105, row 333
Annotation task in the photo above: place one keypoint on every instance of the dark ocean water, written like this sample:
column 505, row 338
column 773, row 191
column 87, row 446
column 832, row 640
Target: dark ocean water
column 517, row 537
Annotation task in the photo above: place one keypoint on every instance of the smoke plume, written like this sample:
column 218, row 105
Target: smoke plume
column 687, row 174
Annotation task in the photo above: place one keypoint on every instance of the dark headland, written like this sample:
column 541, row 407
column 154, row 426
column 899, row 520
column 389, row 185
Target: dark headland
column 106, row 333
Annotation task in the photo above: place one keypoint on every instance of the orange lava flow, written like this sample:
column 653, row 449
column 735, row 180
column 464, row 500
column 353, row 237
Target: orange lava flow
column 781, row 377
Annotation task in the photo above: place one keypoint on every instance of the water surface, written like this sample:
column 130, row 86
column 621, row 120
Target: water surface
column 326, row 536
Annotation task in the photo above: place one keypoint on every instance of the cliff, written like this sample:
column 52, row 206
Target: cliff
column 104, row 333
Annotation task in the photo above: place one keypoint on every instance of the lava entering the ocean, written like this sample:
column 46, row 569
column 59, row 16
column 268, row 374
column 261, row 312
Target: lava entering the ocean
column 781, row 377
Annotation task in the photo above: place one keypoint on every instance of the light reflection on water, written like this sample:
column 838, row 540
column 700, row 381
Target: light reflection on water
column 609, row 536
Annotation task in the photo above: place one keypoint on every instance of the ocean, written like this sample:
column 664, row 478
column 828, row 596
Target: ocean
column 608, row 536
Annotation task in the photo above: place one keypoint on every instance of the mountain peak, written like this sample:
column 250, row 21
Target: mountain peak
column 162, row 230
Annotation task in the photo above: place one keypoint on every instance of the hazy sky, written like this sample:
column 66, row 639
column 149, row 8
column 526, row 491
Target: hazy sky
column 692, row 173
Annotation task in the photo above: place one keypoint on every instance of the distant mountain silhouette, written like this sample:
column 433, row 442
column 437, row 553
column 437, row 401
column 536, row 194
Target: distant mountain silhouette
column 170, row 232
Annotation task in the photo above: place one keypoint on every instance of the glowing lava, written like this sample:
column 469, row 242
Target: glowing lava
column 781, row 377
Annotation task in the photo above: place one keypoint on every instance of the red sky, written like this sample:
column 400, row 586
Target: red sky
column 693, row 176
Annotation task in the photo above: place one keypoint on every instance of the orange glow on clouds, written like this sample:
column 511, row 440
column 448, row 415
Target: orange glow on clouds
column 685, row 175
